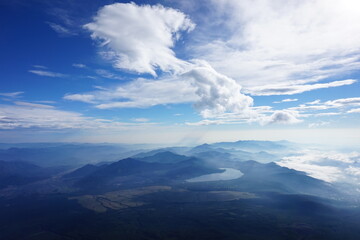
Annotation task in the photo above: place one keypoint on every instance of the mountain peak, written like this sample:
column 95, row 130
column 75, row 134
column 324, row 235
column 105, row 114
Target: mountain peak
column 164, row 157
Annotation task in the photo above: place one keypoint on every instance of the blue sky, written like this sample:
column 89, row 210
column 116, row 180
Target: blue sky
column 180, row 71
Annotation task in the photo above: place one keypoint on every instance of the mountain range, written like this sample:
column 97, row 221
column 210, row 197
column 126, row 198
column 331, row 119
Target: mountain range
column 140, row 190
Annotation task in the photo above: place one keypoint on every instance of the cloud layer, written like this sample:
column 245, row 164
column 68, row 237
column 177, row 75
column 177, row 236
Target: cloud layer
column 329, row 166
column 140, row 93
column 285, row 89
column 32, row 115
column 266, row 43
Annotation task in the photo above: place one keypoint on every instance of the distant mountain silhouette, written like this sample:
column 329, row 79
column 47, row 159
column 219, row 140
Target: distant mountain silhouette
column 164, row 167
column 176, row 150
column 65, row 154
column 20, row 173
column 164, row 157
column 82, row 172
column 252, row 145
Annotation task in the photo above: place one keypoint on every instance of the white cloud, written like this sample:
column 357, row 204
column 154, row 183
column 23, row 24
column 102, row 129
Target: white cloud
column 282, row 117
column 207, row 122
column 285, row 89
column 318, row 124
column 217, row 93
column 353, row 170
column 355, row 110
column 39, row 66
column 329, row 166
column 35, row 105
column 47, row 73
column 79, row 65
column 144, row 45
column 87, row 98
column 140, row 93
column 215, row 96
column 287, row 100
column 11, row 94
column 45, row 101
column 340, row 104
column 317, row 101
column 344, row 102
column 23, row 116
column 326, row 173
column 264, row 115
column 106, row 74
column 29, row 115
column 326, row 114
column 212, row 93
column 61, row 30
column 140, row 38
column 140, row 119
column 282, row 42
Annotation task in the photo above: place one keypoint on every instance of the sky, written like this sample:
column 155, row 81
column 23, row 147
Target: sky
column 180, row 72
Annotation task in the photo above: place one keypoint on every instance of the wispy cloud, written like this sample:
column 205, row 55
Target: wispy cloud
column 281, row 42
column 30, row 115
column 341, row 103
column 318, row 124
column 106, row 74
column 264, row 115
column 61, row 30
column 287, row 100
column 79, row 65
column 45, row 101
column 12, row 94
column 355, row 110
column 207, row 122
column 140, row 119
column 285, row 89
column 34, row 105
column 40, row 66
column 86, row 98
column 326, row 114
column 47, row 73
column 140, row 93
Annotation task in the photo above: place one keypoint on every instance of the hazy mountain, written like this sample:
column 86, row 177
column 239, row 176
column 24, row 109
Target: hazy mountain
column 176, row 150
column 157, row 169
column 218, row 152
column 163, row 157
column 253, row 146
column 82, row 171
column 19, row 173
column 66, row 154
column 201, row 148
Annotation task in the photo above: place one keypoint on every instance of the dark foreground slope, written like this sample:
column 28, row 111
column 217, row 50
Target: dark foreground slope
column 272, row 217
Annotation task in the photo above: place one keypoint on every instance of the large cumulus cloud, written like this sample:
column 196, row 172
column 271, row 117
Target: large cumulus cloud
column 140, row 38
